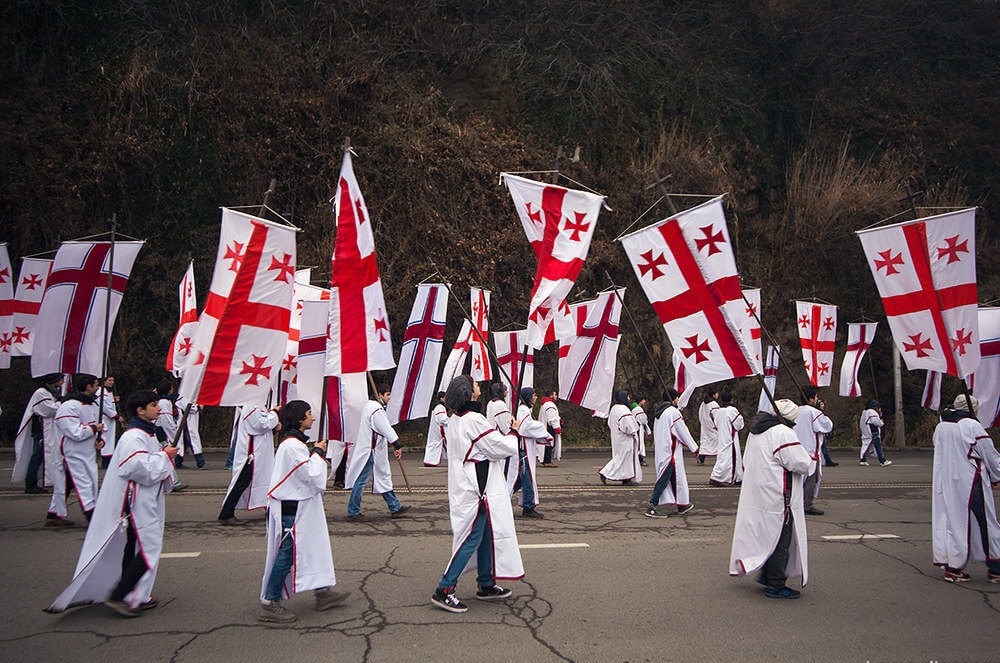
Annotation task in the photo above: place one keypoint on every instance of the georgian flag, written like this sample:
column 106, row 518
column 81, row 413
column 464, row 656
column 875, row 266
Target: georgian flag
column 985, row 382
column 179, row 353
column 359, row 323
column 559, row 224
column 27, row 302
column 686, row 267
column 510, row 347
column 420, row 355
column 817, row 325
column 243, row 328
column 480, row 301
column 587, row 371
column 771, row 360
column 925, row 271
column 456, row 358
column 301, row 291
column 6, row 307
column 859, row 338
column 931, row 396
column 750, row 325
column 70, row 334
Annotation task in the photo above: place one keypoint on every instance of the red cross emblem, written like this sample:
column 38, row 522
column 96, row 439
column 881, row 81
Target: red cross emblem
column 184, row 347
column 284, row 266
column 952, row 248
column 751, row 311
column 190, row 290
column 804, row 321
column 710, row 240
column 917, row 345
column 652, row 265
column 698, row 350
column 824, row 368
column 20, row 336
column 381, row 326
column 235, row 253
column 539, row 314
column 5, row 342
column 960, row 341
column 888, row 261
column 288, row 363
column 256, row 370
column 828, row 324
column 32, row 281
column 576, row 227
column 4, row 275
column 360, row 210
column 536, row 216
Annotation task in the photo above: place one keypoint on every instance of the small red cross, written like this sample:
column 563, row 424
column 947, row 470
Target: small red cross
column 4, row 275
column 696, row 349
column 960, row 341
column 381, row 326
column 20, row 336
column 32, row 281
column 539, row 314
column 652, row 265
column 917, row 345
column 828, row 324
column 5, row 342
column 288, row 363
column 710, row 240
column 952, row 249
column 824, row 368
column 576, row 227
column 257, row 370
column 234, row 253
column 804, row 321
column 751, row 311
column 888, row 261
column 535, row 216
column 184, row 347
column 284, row 266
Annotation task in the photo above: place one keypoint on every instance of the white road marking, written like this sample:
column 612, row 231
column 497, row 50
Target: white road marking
column 539, row 546
column 179, row 555
column 859, row 537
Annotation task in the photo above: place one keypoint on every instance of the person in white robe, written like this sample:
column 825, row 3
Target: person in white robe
column 548, row 414
column 728, row 469
column 107, row 401
column 624, row 464
column 532, row 434
column 190, row 437
column 299, row 557
column 499, row 417
column 76, row 426
column 168, row 421
column 121, row 551
column 871, row 425
column 437, row 438
column 252, row 463
column 964, row 522
column 35, row 442
column 482, row 521
column 670, row 437
column 707, row 436
column 811, row 427
column 369, row 459
column 639, row 412
column 770, row 531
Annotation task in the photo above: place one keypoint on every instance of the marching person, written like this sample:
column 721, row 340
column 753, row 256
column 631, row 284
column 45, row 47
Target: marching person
column 121, row 551
column 482, row 520
column 871, row 433
column 190, row 434
column 639, row 412
column 728, row 470
column 963, row 511
column 437, row 438
column 708, row 436
column 548, row 414
column 532, row 433
column 624, row 463
column 670, row 436
column 76, row 428
column 498, row 415
column 35, row 442
column 107, row 401
column 369, row 459
column 770, row 511
column 299, row 557
column 811, row 427
column 252, row 463
column 168, row 423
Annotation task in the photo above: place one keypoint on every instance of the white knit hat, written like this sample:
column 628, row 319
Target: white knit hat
column 787, row 409
column 961, row 404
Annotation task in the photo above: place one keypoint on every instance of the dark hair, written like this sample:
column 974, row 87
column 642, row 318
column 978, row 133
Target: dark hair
column 440, row 395
column 164, row 389
column 140, row 399
column 459, row 393
column 51, row 378
column 726, row 398
column 83, row 380
column 526, row 394
column 292, row 414
column 498, row 390
column 809, row 392
column 671, row 394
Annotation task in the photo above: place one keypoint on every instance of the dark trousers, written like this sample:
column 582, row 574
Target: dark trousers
column 35, row 462
column 773, row 571
column 668, row 477
column 341, row 472
column 133, row 565
column 242, row 483
column 826, row 453
column 548, row 454
column 978, row 509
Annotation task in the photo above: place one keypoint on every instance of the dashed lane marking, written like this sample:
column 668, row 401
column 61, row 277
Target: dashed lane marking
column 542, row 546
column 858, row 537
column 179, row 555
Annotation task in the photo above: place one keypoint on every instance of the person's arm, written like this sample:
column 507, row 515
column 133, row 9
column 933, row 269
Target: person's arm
column 145, row 468
column 489, row 443
column 982, row 447
column 822, row 423
column 381, row 425
column 260, row 421
column 627, row 424
column 793, row 457
column 46, row 407
column 70, row 425
column 738, row 422
column 680, row 429
column 441, row 418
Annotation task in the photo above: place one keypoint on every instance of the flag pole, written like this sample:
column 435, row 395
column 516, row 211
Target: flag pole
column 770, row 339
column 635, row 327
column 107, row 326
column 378, row 397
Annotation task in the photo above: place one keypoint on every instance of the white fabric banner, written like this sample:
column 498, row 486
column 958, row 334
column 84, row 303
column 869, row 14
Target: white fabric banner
column 771, row 359
column 817, row 325
column 27, row 302
column 480, row 301
column 985, row 382
column 420, row 355
column 587, row 371
column 859, row 338
column 6, row 307
column 179, row 353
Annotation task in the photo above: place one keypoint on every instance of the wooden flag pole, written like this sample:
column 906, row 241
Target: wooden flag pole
column 378, row 397
column 107, row 327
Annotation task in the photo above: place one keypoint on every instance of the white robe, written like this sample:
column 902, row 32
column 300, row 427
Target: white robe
column 670, row 436
column 301, row 476
column 708, row 438
column 436, row 436
column 498, row 416
column 44, row 405
column 168, row 419
column 769, row 458
column 963, row 454
column 548, row 414
column 76, row 429
column 192, row 425
column 472, row 439
column 643, row 421
column 868, row 419
column 624, row 463
column 254, row 440
column 533, row 435
column 729, row 459
column 138, row 476
column 374, row 437
column 811, row 427
column 109, row 417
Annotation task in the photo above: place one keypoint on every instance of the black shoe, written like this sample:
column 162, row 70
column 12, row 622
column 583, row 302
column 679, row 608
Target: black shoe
column 531, row 514
column 448, row 601
column 494, row 593
column 832, row 464
column 35, row 490
column 400, row 512
column 813, row 511
column 604, row 479
column 783, row 593
column 231, row 521
column 357, row 518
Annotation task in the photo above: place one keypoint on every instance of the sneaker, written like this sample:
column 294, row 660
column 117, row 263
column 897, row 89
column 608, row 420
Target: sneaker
column 328, row 597
column 653, row 512
column 993, row 577
column 148, row 605
column 58, row 522
column 448, row 601
column 531, row 514
column 885, row 463
column 229, row 466
column 832, row 464
column 273, row 611
column 122, row 609
column 338, row 485
column 35, row 490
column 813, row 511
column 400, row 512
column 864, row 463
column 494, row 593
column 233, row 520
column 713, row 482
column 783, row 593
column 684, row 509
column 357, row 518
column 957, row 576
column 178, row 487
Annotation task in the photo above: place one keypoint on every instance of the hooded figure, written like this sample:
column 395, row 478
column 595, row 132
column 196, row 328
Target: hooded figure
column 36, row 439
column 624, row 464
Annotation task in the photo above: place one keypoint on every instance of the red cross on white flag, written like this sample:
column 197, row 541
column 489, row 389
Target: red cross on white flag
column 480, row 300
column 179, row 353
column 859, row 338
column 559, row 224
column 750, row 322
column 931, row 396
column 985, row 382
column 456, row 358
column 359, row 326
column 587, row 371
column 817, row 325
column 302, row 291
column 510, row 348
column 771, row 359
column 243, row 329
column 420, row 354
column 686, row 267
column 6, row 307
column 70, row 335
column 925, row 271
column 27, row 301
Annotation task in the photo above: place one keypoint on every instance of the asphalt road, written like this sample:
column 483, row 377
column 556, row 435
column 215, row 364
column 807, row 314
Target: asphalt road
column 620, row 587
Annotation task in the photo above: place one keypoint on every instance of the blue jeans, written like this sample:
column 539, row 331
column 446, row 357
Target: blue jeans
column 282, row 561
column 826, row 453
column 354, row 505
column 668, row 477
column 35, row 462
column 479, row 541
column 232, row 455
column 877, row 443
column 523, row 481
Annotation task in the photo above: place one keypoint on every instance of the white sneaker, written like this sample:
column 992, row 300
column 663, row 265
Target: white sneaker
column 864, row 462
column 888, row 462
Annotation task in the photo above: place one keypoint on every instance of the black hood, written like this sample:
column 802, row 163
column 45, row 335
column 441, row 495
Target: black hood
column 765, row 421
column 79, row 396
